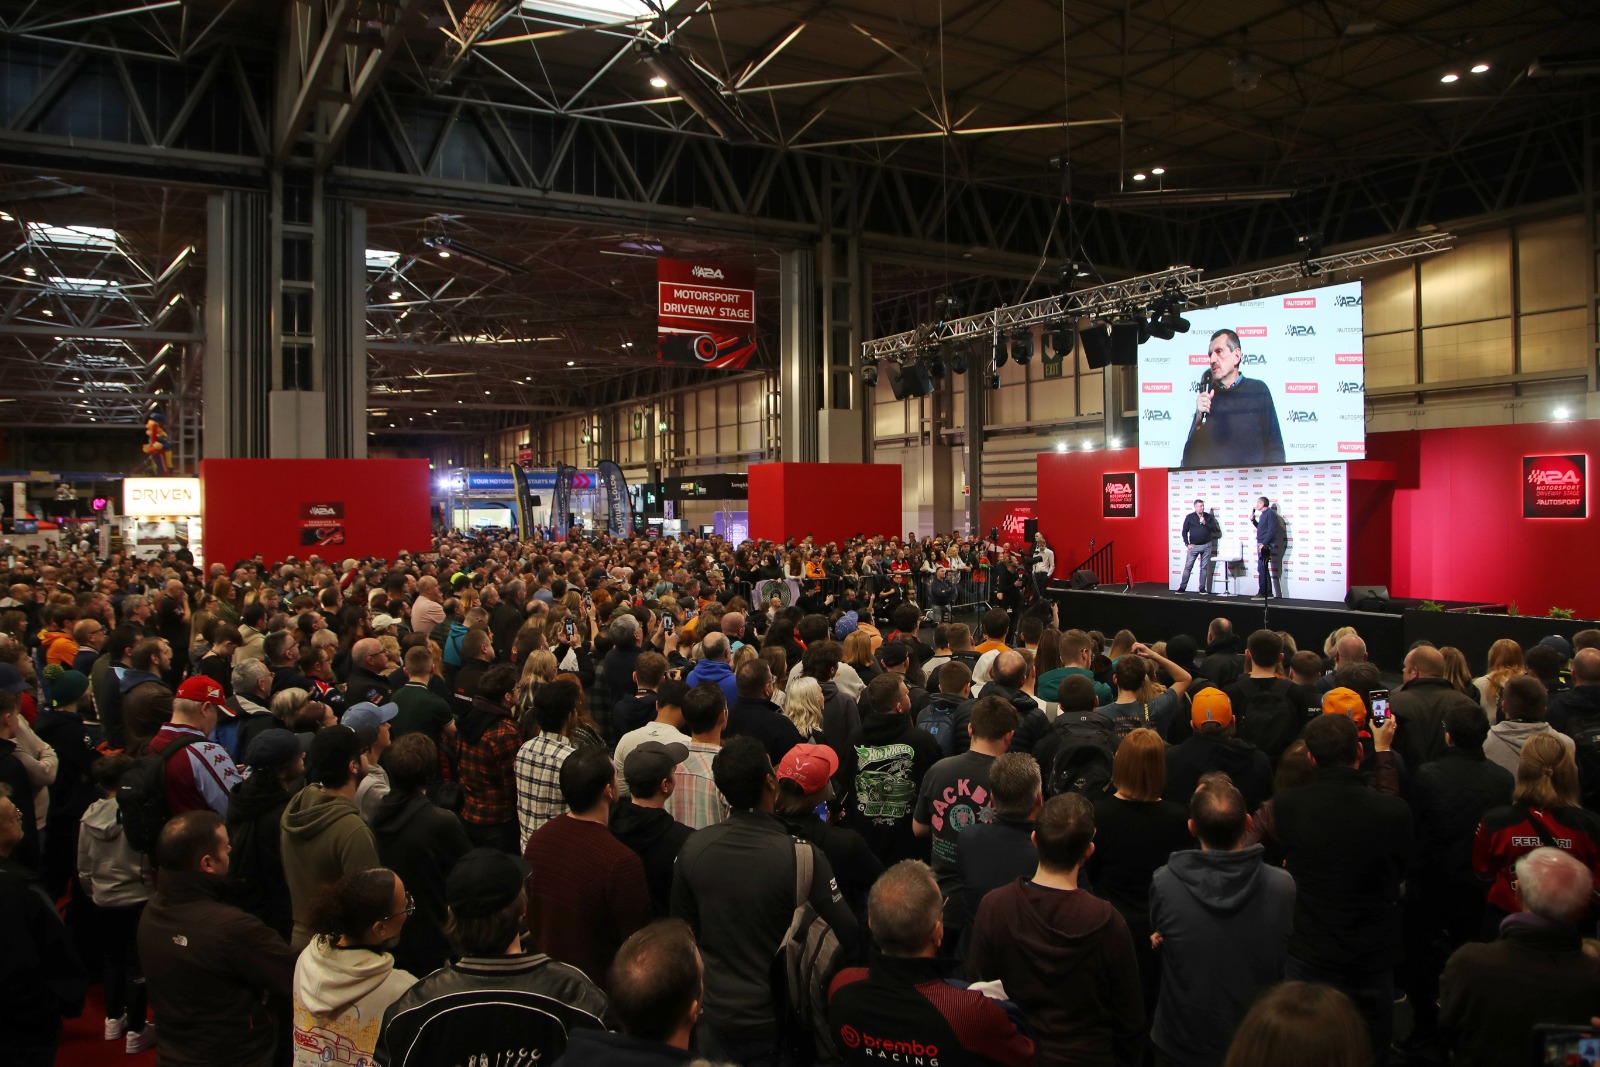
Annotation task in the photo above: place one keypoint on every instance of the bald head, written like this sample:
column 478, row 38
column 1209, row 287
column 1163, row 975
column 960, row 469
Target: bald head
column 1427, row 662
column 733, row 625
column 1586, row 666
column 1351, row 649
column 365, row 649
column 1010, row 669
column 715, row 646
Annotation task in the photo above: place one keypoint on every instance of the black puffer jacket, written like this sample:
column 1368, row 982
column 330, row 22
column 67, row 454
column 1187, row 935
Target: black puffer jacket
column 256, row 864
column 1449, row 797
column 1032, row 730
column 1420, row 707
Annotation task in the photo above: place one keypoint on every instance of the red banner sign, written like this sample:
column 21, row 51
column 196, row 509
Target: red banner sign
column 1009, row 517
column 706, row 313
column 322, row 523
column 1555, row 487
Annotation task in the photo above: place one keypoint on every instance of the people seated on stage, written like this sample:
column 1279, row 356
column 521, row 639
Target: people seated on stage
column 897, row 785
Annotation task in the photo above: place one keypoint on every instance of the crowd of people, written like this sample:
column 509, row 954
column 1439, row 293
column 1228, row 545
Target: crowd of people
column 617, row 802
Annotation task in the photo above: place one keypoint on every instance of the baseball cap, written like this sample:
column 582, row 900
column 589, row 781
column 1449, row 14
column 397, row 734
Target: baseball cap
column 1346, row 702
column 332, row 747
column 893, row 654
column 369, row 715
column 275, row 747
column 1559, row 643
column 11, row 678
column 651, row 761
column 483, row 881
column 1211, row 705
column 204, row 690
column 66, row 688
column 848, row 624
column 809, row 767
column 382, row 622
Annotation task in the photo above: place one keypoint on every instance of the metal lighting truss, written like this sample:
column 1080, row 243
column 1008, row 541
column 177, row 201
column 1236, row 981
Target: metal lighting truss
column 1104, row 302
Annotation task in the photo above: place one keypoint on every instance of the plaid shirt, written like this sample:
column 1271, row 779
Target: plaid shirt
column 695, row 801
column 485, row 770
column 539, row 782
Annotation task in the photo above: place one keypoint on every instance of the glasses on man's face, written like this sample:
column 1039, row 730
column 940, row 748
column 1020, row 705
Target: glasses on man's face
column 410, row 910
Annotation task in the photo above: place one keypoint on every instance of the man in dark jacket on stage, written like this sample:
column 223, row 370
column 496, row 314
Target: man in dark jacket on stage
column 1271, row 542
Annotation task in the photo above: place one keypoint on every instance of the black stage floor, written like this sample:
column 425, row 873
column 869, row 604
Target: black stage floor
column 1156, row 613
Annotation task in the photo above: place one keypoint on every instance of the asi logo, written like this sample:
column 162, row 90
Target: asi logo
column 1155, row 415
column 1300, row 331
column 1545, row 476
column 707, row 272
column 1352, row 387
column 1252, row 359
column 1302, row 416
column 1347, row 301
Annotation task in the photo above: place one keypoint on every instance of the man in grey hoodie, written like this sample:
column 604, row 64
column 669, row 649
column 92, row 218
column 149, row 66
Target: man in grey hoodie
column 1222, row 920
column 1524, row 701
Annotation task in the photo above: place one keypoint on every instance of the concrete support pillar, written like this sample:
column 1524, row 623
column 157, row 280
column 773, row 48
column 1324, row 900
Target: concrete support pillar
column 798, row 359
column 238, row 359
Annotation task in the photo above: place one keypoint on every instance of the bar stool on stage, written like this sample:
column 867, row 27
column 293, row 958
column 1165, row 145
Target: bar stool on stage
column 1230, row 568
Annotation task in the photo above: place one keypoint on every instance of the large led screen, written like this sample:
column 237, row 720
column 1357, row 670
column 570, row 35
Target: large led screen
column 1257, row 383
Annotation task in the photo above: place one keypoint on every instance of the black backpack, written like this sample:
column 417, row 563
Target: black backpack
column 142, row 795
column 1585, row 734
column 1266, row 718
column 938, row 719
column 1082, row 763
column 808, row 958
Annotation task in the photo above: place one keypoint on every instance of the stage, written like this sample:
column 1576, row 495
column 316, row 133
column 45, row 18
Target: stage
column 1155, row 613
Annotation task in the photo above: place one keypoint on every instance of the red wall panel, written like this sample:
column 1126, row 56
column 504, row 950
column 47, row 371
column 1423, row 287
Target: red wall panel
column 251, row 506
column 1070, row 512
column 1458, row 530
column 829, row 501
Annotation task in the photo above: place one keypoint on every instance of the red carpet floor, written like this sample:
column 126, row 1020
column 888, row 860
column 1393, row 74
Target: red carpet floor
column 83, row 1042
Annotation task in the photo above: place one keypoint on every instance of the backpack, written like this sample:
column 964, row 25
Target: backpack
column 1082, row 764
column 808, row 958
column 1266, row 718
column 142, row 796
column 1585, row 734
column 940, row 721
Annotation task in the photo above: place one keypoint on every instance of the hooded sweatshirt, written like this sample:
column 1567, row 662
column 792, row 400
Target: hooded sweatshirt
column 884, row 767
column 339, row 998
column 1505, row 741
column 324, row 838
column 115, row 875
column 1066, row 959
column 655, row 836
column 420, row 842
column 1224, row 920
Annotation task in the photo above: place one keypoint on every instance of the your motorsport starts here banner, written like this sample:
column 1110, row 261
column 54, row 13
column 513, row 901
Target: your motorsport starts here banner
column 706, row 313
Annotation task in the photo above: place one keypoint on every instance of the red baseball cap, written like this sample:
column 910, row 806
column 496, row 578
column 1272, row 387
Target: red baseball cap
column 810, row 767
column 205, row 691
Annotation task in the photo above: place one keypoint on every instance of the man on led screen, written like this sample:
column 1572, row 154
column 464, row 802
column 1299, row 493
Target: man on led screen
column 1235, row 423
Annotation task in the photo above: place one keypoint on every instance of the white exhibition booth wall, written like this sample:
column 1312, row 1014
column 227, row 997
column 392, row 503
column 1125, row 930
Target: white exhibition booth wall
column 1313, row 500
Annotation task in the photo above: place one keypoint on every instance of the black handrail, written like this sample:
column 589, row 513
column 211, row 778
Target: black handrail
column 1101, row 563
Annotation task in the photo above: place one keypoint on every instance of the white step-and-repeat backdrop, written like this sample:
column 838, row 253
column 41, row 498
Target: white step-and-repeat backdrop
column 1311, row 498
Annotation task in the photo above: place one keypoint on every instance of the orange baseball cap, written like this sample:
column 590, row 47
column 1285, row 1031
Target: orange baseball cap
column 1346, row 702
column 1211, row 705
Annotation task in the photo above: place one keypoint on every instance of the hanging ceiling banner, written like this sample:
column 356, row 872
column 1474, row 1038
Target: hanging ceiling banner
column 706, row 314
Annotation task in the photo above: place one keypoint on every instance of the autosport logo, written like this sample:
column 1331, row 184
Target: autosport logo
column 1155, row 387
column 1347, row 301
column 1199, row 361
column 1300, row 387
column 1155, row 415
column 1349, row 359
column 1251, row 331
column 707, row 272
column 1299, row 331
column 1252, row 303
column 1352, row 387
column 1301, row 359
column 1299, row 301
column 1302, row 416
column 1356, row 447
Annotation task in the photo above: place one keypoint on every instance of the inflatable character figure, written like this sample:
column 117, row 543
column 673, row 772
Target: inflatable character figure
column 155, row 446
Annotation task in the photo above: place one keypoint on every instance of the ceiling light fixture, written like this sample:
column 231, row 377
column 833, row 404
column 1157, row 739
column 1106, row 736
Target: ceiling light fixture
column 1480, row 68
column 1139, row 177
column 1563, row 413
column 658, row 82
column 572, row 363
column 394, row 294
column 1452, row 76
column 702, row 95
column 1158, row 171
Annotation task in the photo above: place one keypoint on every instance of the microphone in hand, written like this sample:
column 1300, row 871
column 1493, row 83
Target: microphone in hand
column 1206, row 389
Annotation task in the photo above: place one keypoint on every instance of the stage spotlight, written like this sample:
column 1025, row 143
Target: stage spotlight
column 869, row 375
column 936, row 360
column 1562, row 414
column 1001, row 351
column 1175, row 321
column 1022, row 347
column 962, row 355
column 1063, row 339
column 1158, row 328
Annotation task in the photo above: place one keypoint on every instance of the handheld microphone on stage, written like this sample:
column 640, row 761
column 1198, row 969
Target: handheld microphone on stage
column 1205, row 387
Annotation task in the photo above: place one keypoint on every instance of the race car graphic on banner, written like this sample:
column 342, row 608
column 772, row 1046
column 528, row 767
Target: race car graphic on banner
column 706, row 313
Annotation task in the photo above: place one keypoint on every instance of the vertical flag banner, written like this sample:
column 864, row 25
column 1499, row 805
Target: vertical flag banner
column 706, row 314
column 619, row 513
column 524, row 500
column 561, row 506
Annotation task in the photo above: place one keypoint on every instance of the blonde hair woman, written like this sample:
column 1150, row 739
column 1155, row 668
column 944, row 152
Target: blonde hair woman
column 537, row 669
column 1545, row 808
column 802, row 703
column 1505, row 663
